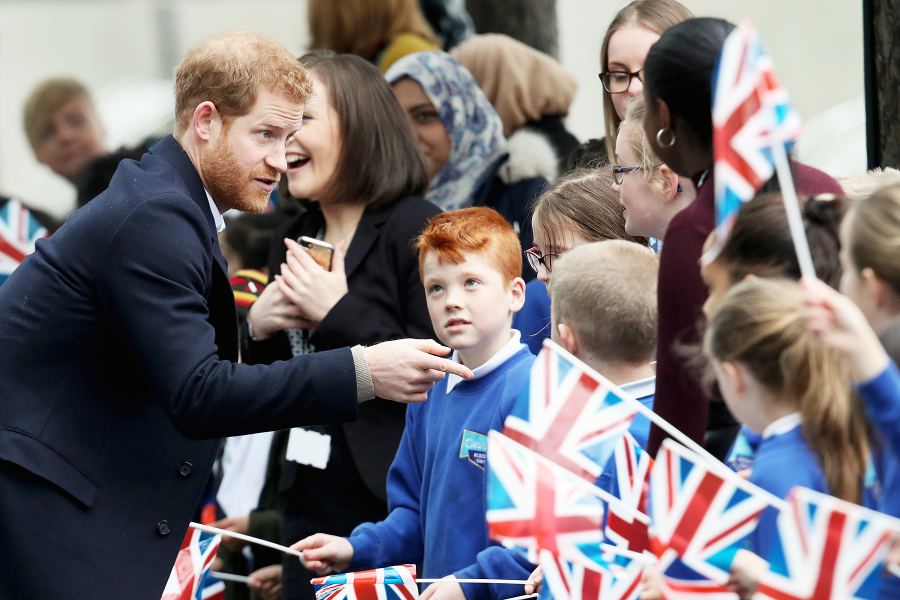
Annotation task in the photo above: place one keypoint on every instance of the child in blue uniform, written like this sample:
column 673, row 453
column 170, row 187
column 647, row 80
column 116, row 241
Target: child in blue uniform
column 781, row 382
column 470, row 262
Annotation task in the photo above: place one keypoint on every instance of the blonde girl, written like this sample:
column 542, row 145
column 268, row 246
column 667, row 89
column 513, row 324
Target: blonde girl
column 781, row 381
column 650, row 191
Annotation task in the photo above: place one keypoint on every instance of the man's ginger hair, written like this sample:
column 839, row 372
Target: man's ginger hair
column 229, row 70
column 606, row 293
column 477, row 230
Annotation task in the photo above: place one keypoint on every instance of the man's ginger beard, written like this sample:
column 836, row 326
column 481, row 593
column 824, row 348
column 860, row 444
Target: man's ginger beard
column 231, row 186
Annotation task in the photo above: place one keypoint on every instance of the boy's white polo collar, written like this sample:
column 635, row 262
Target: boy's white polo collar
column 640, row 388
column 499, row 357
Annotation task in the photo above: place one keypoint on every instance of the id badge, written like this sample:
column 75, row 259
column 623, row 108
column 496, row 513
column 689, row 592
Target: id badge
column 309, row 448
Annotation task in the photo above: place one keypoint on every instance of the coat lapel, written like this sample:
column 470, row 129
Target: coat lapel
column 367, row 233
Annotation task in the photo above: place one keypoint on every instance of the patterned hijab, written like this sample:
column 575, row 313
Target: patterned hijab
column 474, row 127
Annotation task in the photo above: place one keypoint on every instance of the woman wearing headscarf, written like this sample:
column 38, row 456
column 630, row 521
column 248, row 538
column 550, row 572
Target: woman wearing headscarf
column 461, row 136
column 531, row 92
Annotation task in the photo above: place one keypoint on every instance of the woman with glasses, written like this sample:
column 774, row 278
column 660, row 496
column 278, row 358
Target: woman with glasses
column 580, row 207
column 650, row 191
column 461, row 136
column 631, row 33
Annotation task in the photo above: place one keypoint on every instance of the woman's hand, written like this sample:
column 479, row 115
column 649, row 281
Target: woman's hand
column 308, row 286
column 273, row 312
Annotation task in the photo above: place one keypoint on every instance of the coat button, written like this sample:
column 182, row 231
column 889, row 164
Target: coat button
column 163, row 527
column 185, row 469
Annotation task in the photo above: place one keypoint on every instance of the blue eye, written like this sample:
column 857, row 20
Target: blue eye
column 434, row 289
column 471, row 282
column 266, row 134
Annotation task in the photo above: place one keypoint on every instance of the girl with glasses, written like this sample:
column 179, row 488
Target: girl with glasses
column 651, row 193
column 628, row 39
column 579, row 208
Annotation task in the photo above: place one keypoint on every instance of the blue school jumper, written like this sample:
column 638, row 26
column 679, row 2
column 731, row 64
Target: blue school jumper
column 436, row 484
column 783, row 460
column 882, row 398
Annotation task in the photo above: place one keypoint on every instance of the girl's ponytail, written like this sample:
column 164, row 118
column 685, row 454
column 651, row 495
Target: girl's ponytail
column 761, row 325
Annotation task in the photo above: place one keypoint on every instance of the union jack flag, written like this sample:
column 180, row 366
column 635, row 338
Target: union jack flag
column 190, row 578
column 826, row 548
column 697, row 515
column 629, row 471
column 534, row 505
column 388, row 583
column 751, row 118
column 569, row 414
column 602, row 577
column 19, row 230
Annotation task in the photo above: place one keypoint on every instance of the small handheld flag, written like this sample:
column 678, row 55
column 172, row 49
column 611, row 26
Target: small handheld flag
column 753, row 128
column 388, row 583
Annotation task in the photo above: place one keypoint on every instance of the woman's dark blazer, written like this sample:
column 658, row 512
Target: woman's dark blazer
column 385, row 301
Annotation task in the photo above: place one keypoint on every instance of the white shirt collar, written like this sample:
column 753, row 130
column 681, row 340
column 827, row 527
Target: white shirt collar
column 499, row 357
column 782, row 425
column 217, row 216
column 640, row 388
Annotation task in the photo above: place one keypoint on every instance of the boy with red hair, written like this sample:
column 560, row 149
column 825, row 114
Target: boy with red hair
column 470, row 262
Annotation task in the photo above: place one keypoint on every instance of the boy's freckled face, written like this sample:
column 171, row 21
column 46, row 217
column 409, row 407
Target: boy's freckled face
column 470, row 304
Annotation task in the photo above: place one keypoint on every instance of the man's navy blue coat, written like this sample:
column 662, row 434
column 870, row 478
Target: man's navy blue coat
column 118, row 343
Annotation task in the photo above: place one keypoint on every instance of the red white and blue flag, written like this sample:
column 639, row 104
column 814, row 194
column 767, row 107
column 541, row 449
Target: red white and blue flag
column 534, row 505
column 190, row 578
column 826, row 549
column 19, row 230
column 569, row 415
column 630, row 469
column 600, row 577
column 388, row 583
column 698, row 516
column 751, row 119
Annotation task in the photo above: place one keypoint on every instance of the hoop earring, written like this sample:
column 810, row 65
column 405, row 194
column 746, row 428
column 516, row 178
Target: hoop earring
column 659, row 135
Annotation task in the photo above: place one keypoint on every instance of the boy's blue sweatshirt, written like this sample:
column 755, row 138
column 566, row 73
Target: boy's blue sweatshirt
column 882, row 398
column 436, row 485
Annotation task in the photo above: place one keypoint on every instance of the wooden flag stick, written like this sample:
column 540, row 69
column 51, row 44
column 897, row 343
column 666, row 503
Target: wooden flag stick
column 506, row 581
column 792, row 208
column 230, row 577
column 246, row 538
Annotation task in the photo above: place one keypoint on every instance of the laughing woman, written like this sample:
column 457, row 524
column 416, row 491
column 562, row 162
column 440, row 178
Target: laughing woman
column 360, row 177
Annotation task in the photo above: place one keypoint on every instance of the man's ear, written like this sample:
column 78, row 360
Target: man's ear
column 568, row 339
column 205, row 121
column 517, row 289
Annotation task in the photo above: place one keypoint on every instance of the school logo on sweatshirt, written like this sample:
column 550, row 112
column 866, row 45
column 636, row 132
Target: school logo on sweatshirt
column 474, row 447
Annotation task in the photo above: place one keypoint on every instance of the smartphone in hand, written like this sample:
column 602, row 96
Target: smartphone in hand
column 321, row 252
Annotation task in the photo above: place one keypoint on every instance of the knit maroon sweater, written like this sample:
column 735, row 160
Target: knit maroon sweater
column 681, row 293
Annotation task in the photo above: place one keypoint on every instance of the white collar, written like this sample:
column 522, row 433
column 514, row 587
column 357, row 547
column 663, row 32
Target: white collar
column 640, row 388
column 499, row 357
column 782, row 425
column 217, row 216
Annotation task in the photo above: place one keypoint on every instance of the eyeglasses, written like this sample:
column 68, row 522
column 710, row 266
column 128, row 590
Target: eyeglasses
column 536, row 259
column 618, row 82
column 619, row 172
